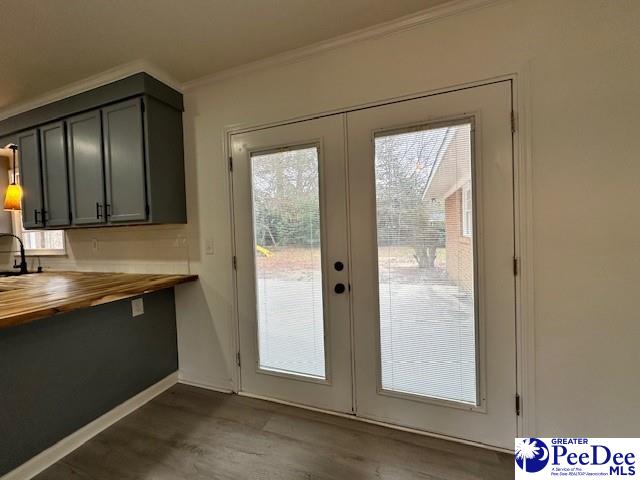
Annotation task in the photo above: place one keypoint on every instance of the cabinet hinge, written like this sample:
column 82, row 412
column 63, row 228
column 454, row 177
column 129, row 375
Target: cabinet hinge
column 513, row 122
column 235, row 263
column 142, row 105
column 231, row 164
column 516, row 265
column 238, row 359
column 518, row 404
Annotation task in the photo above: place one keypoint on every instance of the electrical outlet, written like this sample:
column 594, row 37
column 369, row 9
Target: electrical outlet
column 137, row 307
column 180, row 242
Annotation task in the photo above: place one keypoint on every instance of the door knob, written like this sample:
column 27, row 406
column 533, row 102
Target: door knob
column 339, row 288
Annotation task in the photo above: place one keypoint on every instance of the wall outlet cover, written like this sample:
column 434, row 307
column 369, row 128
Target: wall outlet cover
column 137, row 307
column 208, row 246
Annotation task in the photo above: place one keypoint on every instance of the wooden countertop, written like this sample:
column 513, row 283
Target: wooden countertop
column 26, row 298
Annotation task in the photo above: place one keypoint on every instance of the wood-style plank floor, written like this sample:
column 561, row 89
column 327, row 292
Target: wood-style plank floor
column 191, row 433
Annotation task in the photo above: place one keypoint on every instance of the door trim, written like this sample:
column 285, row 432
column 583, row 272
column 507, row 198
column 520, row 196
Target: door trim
column 523, row 213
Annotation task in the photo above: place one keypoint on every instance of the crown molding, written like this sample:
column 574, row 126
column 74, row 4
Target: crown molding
column 119, row 72
column 400, row 24
column 116, row 73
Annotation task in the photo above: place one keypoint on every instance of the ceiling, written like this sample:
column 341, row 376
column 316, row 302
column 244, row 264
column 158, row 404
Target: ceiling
column 46, row 44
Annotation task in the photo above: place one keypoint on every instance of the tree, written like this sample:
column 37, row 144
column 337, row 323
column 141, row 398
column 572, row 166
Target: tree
column 286, row 195
column 403, row 164
column 286, row 198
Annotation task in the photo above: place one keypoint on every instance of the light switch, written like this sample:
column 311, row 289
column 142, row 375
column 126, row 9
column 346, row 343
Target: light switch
column 208, row 246
column 137, row 307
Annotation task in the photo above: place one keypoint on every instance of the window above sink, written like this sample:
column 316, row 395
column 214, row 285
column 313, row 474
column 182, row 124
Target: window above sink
column 37, row 242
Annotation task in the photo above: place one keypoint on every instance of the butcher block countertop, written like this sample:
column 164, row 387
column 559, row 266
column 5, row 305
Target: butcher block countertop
column 30, row 297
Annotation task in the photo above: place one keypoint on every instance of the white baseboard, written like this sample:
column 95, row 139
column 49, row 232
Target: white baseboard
column 206, row 386
column 67, row 445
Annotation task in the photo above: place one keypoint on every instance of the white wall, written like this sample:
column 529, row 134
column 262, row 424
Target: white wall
column 581, row 60
column 140, row 249
column 578, row 63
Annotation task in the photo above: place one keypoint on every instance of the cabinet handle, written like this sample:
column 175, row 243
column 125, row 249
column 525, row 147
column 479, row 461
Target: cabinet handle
column 98, row 210
column 35, row 216
column 107, row 210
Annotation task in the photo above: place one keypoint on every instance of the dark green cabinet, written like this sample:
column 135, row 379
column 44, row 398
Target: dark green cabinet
column 113, row 155
column 86, row 168
column 124, row 158
column 55, row 175
column 30, row 178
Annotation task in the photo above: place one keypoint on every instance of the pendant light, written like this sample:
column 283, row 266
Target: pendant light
column 13, row 197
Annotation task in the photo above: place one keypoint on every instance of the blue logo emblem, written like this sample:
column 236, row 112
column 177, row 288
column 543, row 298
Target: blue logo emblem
column 532, row 454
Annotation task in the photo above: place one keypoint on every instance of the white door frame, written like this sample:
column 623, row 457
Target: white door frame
column 523, row 209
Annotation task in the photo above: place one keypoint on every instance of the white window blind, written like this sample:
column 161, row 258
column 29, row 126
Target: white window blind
column 286, row 222
column 426, row 300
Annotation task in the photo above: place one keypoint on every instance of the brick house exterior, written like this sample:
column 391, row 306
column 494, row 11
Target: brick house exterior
column 450, row 183
column 459, row 246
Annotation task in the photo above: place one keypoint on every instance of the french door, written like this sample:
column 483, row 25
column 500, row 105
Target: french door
column 290, row 212
column 374, row 263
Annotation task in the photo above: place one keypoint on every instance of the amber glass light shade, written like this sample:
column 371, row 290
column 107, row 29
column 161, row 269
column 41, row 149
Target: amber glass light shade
column 13, row 198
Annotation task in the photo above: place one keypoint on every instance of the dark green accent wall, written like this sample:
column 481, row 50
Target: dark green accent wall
column 60, row 373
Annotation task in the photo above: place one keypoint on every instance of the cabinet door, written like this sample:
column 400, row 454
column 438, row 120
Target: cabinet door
column 86, row 168
column 30, row 178
column 125, row 162
column 55, row 175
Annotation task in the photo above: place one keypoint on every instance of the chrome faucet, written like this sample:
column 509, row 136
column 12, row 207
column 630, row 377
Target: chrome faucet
column 23, row 258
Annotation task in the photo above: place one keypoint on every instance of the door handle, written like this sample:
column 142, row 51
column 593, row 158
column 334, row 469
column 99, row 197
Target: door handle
column 339, row 288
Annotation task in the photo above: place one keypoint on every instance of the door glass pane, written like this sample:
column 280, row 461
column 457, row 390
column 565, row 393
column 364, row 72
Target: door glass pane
column 426, row 262
column 286, row 216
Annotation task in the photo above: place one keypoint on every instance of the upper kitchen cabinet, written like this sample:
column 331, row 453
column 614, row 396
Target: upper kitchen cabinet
column 55, row 175
column 123, row 138
column 143, row 153
column 31, row 179
column 86, row 168
column 110, row 156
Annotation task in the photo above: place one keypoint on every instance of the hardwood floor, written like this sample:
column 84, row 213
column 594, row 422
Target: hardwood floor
column 191, row 433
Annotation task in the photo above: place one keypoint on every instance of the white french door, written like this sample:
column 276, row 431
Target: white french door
column 405, row 313
column 291, row 246
column 432, row 179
